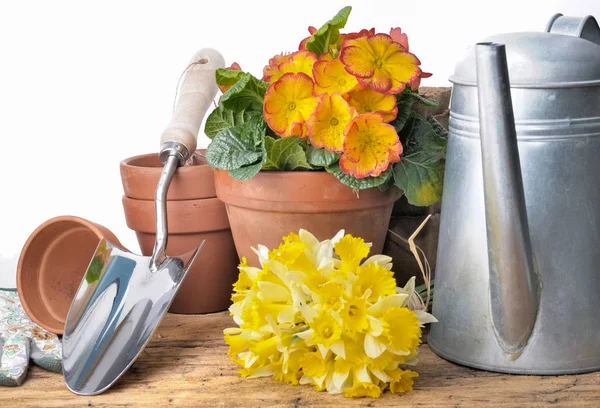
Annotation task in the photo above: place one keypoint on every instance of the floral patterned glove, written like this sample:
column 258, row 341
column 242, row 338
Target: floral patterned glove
column 21, row 339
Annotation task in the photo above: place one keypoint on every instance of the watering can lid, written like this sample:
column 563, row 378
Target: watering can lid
column 544, row 59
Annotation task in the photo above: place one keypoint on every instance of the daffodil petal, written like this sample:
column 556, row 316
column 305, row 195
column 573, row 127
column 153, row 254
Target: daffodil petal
column 373, row 346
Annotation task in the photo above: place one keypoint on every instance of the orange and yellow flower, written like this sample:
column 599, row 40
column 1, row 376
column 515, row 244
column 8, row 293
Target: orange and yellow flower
column 272, row 70
column 299, row 61
column 370, row 146
column 289, row 102
column 367, row 100
column 380, row 63
column 335, row 48
column 326, row 125
column 331, row 76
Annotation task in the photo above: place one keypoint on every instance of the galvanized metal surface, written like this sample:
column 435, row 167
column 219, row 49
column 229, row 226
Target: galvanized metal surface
column 558, row 132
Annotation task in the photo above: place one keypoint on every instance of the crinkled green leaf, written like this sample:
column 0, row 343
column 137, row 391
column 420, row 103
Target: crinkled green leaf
column 228, row 77
column 248, row 92
column 356, row 183
column 420, row 172
column 246, row 172
column 420, row 179
column 421, row 100
column 238, row 146
column 329, row 32
column 285, row 154
column 321, row 157
column 223, row 118
column 438, row 128
column 405, row 103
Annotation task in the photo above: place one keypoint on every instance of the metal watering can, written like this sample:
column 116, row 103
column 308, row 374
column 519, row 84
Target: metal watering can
column 518, row 267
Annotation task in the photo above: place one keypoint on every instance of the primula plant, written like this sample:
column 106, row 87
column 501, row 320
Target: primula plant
column 344, row 103
column 322, row 313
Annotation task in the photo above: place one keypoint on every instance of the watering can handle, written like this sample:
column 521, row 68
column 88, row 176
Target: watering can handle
column 197, row 92
column 582, row 27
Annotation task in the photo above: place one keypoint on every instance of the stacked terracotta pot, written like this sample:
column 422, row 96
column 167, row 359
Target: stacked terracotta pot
column 194, row 214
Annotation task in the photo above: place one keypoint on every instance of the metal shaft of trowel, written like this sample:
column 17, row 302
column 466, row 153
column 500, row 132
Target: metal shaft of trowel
column 172, row 154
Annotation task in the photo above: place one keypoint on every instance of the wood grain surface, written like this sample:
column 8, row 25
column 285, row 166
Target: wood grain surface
column 185, row 365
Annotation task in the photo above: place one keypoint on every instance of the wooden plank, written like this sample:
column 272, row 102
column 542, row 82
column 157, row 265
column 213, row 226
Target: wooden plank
column 185, row 365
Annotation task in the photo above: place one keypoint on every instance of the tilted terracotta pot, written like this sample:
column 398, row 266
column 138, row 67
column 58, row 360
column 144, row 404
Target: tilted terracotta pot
column 194, row 214
column 51, row 267
column 270, row 205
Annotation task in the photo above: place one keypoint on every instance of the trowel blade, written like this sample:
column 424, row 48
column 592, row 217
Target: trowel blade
column 117, row 307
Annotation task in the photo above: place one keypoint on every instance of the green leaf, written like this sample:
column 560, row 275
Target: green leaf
column 421, row 100
column 359, row 184
column 246, row 172
column 420, row 180
column 329, row 32
column 94, row 270
column 238, row 146
column 321, row 157
column 420, row 172
column 223, row 118
column 248, row 92
column 285, row 154
column 405, row 103
column 438, row 128
column 228, row 77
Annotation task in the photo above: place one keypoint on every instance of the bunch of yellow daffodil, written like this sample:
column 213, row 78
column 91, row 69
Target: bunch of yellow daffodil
column 315, row 313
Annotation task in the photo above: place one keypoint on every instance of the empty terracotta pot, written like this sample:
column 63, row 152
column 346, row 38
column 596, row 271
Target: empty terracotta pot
column 140, row 175
column 270, row 205
column 207, row 287
column 51, row 267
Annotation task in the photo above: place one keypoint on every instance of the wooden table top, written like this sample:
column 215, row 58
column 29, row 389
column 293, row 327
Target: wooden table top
column 186, row 365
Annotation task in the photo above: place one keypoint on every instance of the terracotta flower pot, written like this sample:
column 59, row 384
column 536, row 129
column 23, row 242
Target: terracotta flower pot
column 272, row 204
column 194, row 214
column 51, row 267
column 140, row 175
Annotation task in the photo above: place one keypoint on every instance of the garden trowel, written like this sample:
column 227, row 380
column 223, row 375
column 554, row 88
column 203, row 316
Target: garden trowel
column 123, row 296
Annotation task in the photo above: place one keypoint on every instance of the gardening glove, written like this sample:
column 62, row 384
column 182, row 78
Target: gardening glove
column 21, row 339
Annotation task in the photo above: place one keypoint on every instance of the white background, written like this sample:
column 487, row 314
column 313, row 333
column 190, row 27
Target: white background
column 84, row 85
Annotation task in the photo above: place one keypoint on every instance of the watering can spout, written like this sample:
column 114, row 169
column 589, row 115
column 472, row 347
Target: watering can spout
column 514, row 293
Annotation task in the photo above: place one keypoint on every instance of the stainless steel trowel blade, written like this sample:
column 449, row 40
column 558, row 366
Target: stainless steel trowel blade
column 117, row 307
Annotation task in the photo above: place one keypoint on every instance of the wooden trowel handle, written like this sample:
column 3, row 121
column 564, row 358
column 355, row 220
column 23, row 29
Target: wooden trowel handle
column 197, row 91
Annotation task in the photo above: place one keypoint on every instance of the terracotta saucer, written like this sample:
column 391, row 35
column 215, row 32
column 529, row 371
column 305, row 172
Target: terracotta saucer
column 51, row 267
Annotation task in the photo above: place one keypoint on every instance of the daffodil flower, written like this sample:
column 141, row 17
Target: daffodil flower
column 288, row 103
column 370, row 146
column 380, row 63
column 324, row 313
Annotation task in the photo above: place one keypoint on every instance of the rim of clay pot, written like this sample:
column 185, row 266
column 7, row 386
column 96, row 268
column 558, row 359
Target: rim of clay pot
column 140, row 174
column 52, row 265
column 183, row 217
column 298, row 191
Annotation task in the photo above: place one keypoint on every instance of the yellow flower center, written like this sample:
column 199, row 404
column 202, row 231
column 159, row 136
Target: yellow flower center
column 342, row 81
column 353, row 311
column 327, row 332
column 379, row 63
column 291, row 106
column 334, row 121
